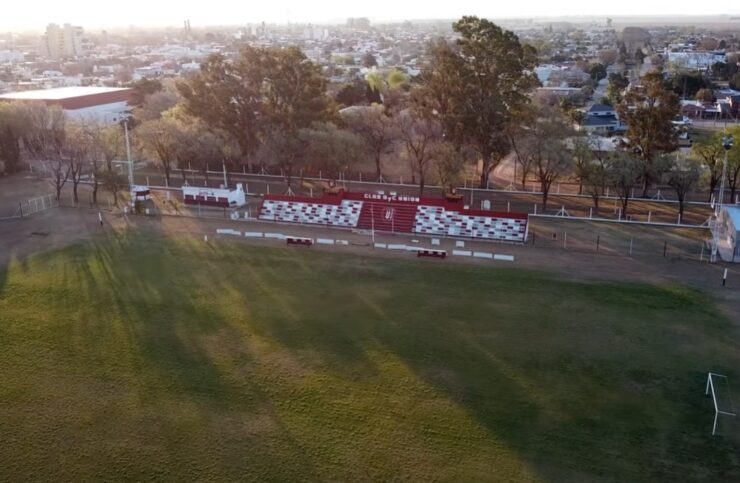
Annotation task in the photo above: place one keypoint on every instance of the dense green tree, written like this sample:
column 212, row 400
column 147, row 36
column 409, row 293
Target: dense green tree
column 479, row 85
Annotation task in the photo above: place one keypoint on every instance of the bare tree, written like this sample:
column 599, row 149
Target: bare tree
column 420, row 131
column 44, row 141
column 682, row 178
column 374, row 125
column 623, row 172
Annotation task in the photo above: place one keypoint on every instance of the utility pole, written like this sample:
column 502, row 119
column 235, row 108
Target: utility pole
column 128, row 157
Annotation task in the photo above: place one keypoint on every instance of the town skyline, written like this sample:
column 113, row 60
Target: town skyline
column 25, row 17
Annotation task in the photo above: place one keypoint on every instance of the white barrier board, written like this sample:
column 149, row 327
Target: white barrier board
column 278, row 236
column 381, row 245
column 462, row 253
column 505, row 258
column 486, row 255
column 253, row 234
column 324, row 241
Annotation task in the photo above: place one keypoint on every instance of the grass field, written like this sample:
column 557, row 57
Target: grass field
column 143, row 357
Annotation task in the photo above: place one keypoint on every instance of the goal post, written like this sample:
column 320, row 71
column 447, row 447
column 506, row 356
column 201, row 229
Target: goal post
column 713, row 381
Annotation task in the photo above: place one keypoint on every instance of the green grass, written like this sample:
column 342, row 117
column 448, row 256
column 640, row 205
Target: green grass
column 145, row 357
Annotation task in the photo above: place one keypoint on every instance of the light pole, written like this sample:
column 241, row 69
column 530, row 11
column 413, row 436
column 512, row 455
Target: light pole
column 727, row 142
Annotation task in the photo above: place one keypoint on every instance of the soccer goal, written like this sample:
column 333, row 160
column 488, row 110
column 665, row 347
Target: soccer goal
column 719, row 388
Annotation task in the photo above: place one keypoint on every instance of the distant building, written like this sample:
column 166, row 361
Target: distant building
column 696, row 60
column 62, row 41
column 10, row 56
column 107, row 105
column 601, row 119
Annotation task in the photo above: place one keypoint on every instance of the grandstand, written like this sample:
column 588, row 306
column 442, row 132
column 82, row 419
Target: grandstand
column 396, row 214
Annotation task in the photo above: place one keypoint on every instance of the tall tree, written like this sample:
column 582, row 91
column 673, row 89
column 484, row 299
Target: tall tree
column 228, row 95
column 480, row 85
column 648, row 111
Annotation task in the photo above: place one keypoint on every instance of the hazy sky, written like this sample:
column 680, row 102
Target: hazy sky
column 35, row 14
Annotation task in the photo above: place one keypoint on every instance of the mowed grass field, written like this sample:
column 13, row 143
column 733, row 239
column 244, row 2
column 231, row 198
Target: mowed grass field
column 144, row 357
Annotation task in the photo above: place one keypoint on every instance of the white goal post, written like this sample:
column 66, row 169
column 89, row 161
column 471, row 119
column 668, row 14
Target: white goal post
column 711, row 378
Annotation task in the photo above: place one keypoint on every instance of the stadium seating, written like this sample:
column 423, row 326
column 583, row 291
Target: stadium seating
column 425, row 216
column 436, row 220
column 344, row 214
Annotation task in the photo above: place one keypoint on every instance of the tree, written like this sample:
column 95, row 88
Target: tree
column 108, row 145
column 159, row 140
column 77, row 151
column 648, row 112
column 331, row 149
column 596, row 177
column 597, row 72
column 113, row 182
column 735, row 82
column 639, row 56
column 44, row 141
column 353, row 94
column 705, row 95
column 450, row 164
column 283, row 149
column 479, row 86
column 11, row 128
column 420, row 131
column 623, row 171
column 687, row 84
column 155, row 104
column 582, row 157
column 733, row 163
column 711, row 153
column 369, row 60
column 143, row 88
column 545, row 143
column 617, row 83
column 608, row 56
column 682, row 178
column 377, row 129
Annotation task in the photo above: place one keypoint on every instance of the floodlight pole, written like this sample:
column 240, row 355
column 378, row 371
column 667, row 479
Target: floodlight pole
column 727, row 143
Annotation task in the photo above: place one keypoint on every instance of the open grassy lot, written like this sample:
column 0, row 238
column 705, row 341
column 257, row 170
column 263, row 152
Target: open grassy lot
column 144, row 357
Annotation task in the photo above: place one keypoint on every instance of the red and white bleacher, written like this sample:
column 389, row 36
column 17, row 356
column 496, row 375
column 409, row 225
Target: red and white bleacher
column 437, row 220
column 393, row 213
column 314, row 212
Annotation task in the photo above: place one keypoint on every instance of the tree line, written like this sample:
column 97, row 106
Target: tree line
column 469, row 109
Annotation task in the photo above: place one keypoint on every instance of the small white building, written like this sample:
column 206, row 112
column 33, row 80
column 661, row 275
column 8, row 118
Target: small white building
column 106, row 105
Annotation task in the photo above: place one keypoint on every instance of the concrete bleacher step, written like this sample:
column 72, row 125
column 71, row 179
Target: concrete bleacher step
column 389, row 217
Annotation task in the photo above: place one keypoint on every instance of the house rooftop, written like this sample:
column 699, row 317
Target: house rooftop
column 59, row 93
column 600, row 108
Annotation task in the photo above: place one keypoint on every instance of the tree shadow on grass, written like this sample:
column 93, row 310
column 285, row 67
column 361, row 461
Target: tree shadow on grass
column 563, row 387
column 149, row 326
